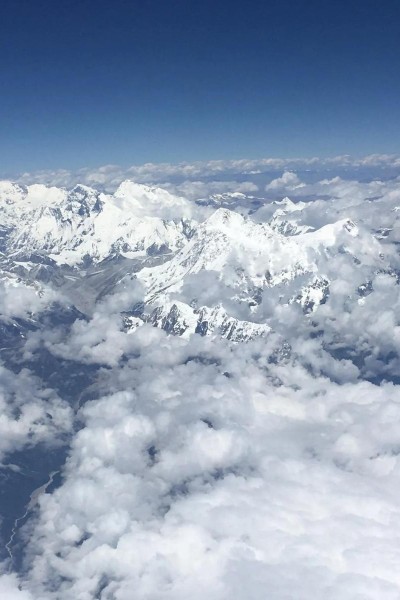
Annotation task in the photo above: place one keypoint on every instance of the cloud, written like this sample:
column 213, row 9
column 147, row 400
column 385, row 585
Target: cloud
column 30, row 412
column 288, row 180
column 185, row 482
column 20, row 300
column 98, row 340
column 195, row 190
column 109, row 177
column 10, row 589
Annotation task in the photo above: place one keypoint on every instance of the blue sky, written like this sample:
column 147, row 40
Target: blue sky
column 85, row 83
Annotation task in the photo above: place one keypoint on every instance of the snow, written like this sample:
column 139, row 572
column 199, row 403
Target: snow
column 82, row 222
column 150, row 201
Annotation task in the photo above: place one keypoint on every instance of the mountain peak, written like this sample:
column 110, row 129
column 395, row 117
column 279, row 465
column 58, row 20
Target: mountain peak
column 10, row 191
column 84, row 190
column 225, row 218
column 144, row 200
column 286, row 201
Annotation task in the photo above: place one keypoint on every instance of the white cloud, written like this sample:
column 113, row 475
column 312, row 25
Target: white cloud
column 10, row 589
column 110, row 176
column 20, row 300
column 194, row 190
column 288, row 180
column 185, row 483
column 30, row 413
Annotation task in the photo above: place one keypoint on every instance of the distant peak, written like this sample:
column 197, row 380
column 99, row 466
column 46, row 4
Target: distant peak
column 284, row 202
column 144, row 200
column 85, row 190
column 350, row 226
column 329, row 234
column 224, row 217
column 11, row 188
column 129, row 187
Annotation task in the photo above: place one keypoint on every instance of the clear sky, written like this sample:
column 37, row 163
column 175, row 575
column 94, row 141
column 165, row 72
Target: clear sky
column 89, row 82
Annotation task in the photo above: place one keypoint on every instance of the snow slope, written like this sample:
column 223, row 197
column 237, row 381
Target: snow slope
column 70, row 226
column 200, row 272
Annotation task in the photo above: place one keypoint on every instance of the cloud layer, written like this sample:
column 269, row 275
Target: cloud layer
column 207, row 469
column 198, row 173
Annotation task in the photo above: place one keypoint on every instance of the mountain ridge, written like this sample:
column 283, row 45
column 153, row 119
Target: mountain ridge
column 87, row 243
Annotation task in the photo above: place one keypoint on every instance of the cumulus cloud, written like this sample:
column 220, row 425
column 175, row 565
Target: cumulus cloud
column 288, row 180
column 30, row 412
column 10, row 589
column 20, row 300
column 97, row 340
column 210, row 470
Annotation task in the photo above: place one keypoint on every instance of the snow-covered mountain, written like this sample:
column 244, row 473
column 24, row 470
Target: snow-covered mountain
column 203, row 269
column 282, row 218
column 71, row 226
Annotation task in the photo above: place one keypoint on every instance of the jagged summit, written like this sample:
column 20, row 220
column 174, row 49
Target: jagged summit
column 287, row 204
column 11, row 191
column 202, row 275
column 73, row 224
column 143, row 200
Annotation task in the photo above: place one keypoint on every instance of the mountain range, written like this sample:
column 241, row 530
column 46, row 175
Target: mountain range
column 203, row 268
